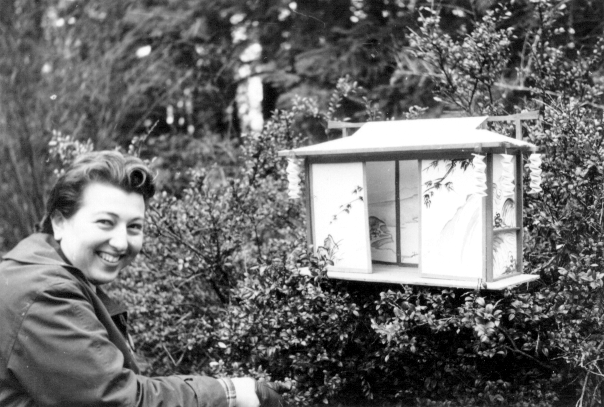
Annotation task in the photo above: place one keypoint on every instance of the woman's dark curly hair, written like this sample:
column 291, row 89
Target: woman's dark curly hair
column 126, row 172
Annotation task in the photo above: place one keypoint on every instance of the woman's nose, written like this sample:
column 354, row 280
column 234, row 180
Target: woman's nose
column 119, row 239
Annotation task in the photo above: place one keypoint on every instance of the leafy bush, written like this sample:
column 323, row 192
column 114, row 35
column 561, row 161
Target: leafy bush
column 289, row 326
column 217, row 292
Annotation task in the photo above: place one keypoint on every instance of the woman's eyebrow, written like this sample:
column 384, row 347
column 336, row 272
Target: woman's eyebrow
column 115, row 215
column 102, row 212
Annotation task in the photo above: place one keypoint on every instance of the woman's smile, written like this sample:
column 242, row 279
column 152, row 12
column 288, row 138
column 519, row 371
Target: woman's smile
column 110, row 258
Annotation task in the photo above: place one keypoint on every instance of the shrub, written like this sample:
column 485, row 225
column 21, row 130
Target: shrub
column 289, row 326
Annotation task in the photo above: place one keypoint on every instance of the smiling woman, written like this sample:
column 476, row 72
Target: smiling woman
column 64, row 341
column 105, row 234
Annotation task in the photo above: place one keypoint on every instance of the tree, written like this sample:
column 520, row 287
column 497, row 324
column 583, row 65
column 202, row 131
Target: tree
column 23, row 118
column 109, row 71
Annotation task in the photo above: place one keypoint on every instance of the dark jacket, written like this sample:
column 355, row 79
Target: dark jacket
column 60, row 347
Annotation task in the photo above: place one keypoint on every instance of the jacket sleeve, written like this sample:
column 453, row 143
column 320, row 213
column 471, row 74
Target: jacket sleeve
column 62, row 356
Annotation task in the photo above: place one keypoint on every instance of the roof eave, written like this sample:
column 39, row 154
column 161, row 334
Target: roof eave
column 496, row 148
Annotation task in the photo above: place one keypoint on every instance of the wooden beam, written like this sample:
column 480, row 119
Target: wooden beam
column 392, row 274
column 532, row 115
column 332, row 124
column 517, row 119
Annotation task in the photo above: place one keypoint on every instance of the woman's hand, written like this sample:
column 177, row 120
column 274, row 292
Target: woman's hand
column 245, row 388
column 268, row 393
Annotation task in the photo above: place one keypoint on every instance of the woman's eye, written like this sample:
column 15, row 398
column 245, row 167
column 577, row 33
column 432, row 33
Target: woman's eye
column 136, row 226
column 104, row 222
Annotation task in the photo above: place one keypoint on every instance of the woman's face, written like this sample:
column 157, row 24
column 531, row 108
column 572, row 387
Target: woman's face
column 105, row 234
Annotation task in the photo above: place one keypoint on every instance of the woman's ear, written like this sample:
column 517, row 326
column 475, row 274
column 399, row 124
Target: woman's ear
column 58, row 222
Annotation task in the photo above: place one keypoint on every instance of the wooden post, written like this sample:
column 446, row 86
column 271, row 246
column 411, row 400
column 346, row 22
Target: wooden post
column 517, row 119
column 397, row 205
column 519, row 204
column 310, row 216
column 488, row 222
column 518, row 130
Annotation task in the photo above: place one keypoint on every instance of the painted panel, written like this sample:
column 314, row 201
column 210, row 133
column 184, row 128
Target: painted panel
column 340, row 224
column 504, row 254
column 409, row 209
column 504, row 194
column 451, row 220
column 505, row 244
column 382, row 210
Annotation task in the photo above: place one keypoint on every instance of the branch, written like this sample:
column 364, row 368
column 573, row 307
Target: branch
column 439, row 181
column 518, row 351
column 169, row 355
column 501, row 85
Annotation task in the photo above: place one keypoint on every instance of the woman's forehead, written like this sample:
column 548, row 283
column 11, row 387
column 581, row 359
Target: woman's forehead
column 105, row 198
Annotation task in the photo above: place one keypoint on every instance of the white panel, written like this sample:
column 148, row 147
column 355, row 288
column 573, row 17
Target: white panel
column 382, row 210
column 409, row 204
column 340, row 221
column 451, row 221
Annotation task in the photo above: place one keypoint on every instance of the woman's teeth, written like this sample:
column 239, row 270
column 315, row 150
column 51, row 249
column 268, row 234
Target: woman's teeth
column 109, row 257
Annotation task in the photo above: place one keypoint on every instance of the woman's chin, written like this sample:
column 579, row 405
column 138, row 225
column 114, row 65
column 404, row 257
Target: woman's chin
column 103, row 275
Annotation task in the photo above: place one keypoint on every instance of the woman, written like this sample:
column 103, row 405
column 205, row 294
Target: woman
column 63, row 341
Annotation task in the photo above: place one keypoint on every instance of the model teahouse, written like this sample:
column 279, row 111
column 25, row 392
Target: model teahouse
column 428, row 202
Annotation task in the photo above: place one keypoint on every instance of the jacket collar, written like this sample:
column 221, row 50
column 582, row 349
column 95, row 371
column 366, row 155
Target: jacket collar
column 38, row 248
column 43, row 249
